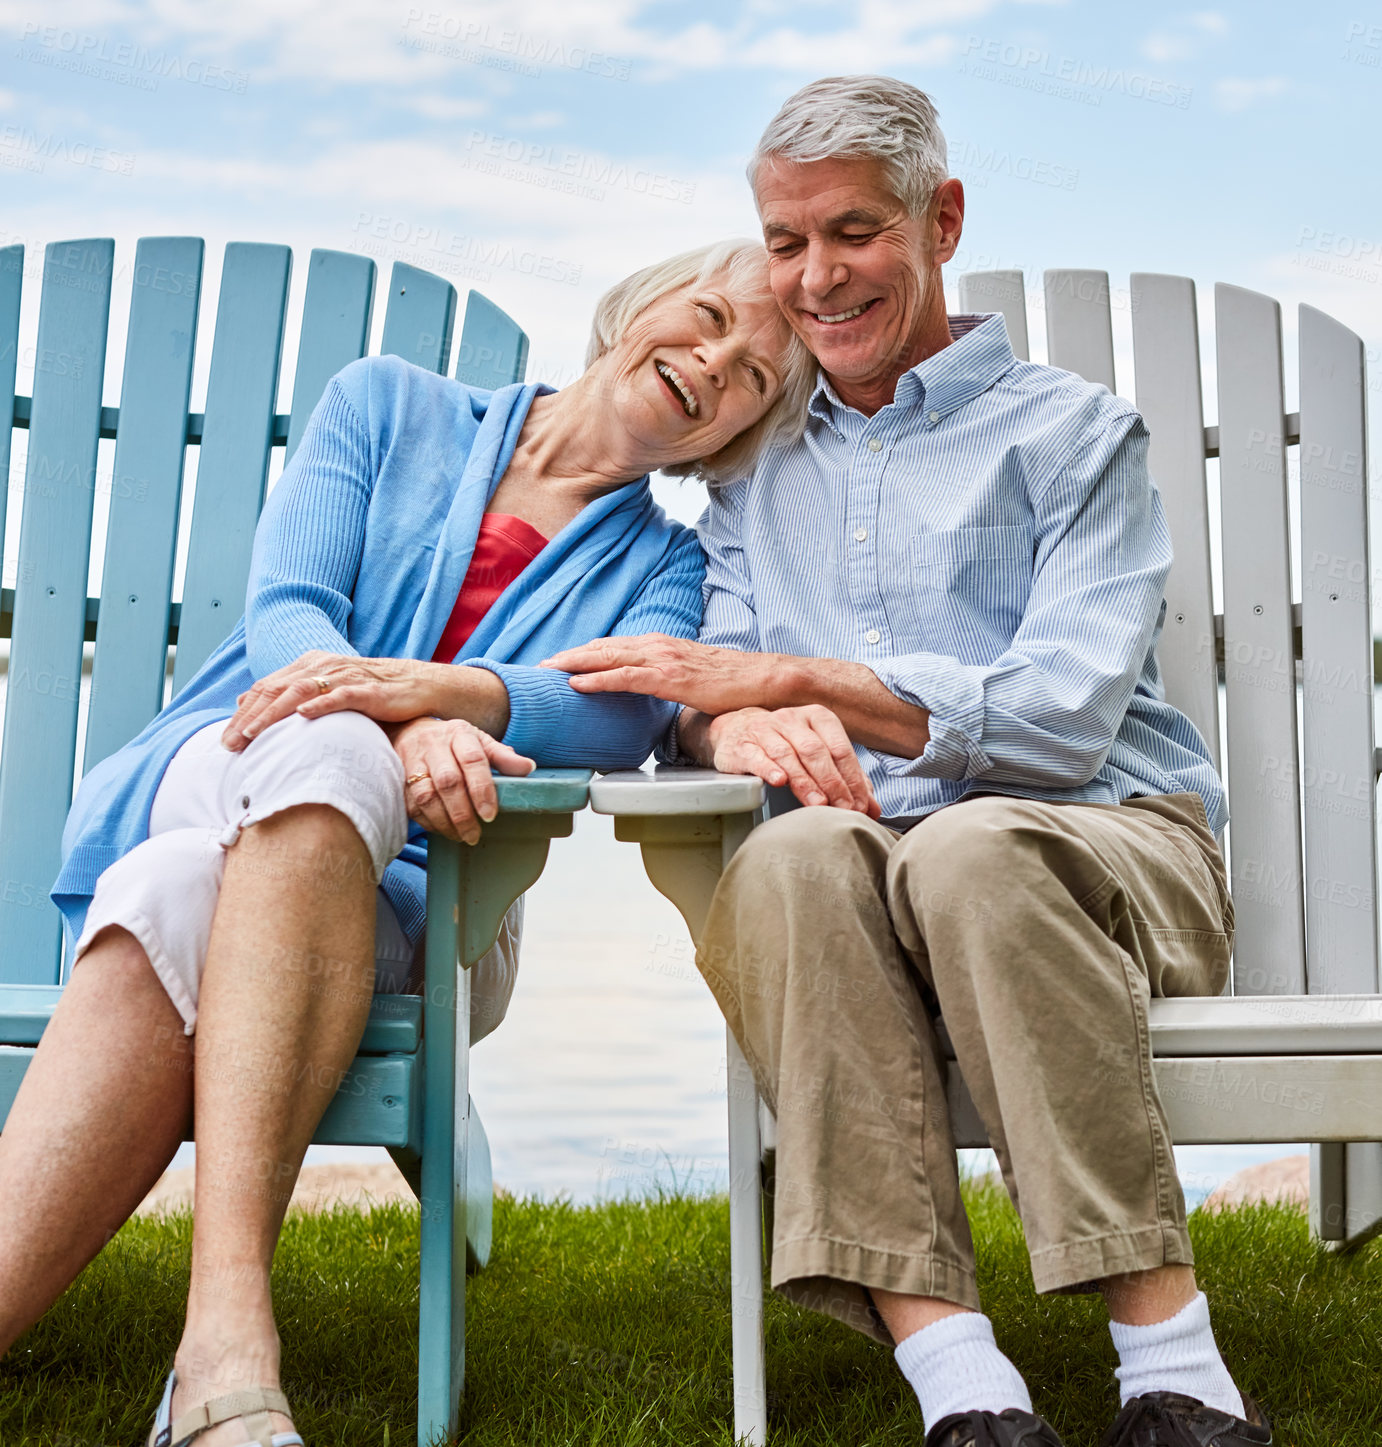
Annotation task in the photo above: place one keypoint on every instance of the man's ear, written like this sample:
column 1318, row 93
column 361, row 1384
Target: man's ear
column 947, row 219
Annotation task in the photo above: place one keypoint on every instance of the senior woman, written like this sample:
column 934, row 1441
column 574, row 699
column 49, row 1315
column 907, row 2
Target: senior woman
column 245, row 867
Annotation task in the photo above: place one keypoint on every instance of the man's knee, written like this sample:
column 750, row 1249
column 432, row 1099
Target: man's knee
column 820, row 846
column 966, row 860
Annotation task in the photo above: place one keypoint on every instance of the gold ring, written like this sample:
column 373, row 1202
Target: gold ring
column 415, row 779
column 322, row 684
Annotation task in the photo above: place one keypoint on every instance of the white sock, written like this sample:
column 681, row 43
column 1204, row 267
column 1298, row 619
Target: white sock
column 955, row 1366
column 1176, row 1355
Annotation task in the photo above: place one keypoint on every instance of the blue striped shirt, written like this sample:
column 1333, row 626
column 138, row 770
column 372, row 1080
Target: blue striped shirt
column 991, row 545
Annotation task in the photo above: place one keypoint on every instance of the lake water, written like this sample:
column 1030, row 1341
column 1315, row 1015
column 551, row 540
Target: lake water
column 608, row 1076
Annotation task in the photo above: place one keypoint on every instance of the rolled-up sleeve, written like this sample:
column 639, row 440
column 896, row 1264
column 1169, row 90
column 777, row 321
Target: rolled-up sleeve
column 1047, row 710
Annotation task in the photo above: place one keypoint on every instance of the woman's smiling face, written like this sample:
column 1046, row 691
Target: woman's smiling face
column 695, row 369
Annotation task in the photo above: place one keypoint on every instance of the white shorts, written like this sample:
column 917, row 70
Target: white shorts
column 165, row 890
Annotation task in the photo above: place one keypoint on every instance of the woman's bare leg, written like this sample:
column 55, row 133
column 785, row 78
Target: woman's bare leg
column 283, row 1004
column 105, row 1102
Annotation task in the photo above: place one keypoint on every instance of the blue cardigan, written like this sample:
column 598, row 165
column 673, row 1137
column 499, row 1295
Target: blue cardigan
column 362, row 548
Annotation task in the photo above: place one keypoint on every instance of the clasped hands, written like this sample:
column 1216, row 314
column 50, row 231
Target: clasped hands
column 748, row 726
column 449, row 762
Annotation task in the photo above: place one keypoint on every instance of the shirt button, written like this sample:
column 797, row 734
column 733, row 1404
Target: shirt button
column 875, row 445
column 872, row 636
column 860, row 535
column 934, row 416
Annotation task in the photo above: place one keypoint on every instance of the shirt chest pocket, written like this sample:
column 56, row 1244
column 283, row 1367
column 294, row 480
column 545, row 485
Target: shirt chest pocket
column 982, row 571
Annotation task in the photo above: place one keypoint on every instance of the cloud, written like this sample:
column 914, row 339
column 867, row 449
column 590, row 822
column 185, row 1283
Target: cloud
column 1185, row 38
column 1236, row 93
column 364, row 41
column 443, row 107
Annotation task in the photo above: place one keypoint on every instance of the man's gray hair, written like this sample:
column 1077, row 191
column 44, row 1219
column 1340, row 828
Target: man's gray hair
column 862, row 115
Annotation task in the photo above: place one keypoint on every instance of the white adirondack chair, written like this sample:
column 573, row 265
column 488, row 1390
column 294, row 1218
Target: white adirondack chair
column 1295, row 1052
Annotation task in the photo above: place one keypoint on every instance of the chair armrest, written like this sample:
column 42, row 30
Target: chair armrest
column 670, row 790
column 544, row 791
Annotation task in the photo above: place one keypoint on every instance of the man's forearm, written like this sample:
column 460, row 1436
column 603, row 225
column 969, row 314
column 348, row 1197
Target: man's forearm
column 872, row 714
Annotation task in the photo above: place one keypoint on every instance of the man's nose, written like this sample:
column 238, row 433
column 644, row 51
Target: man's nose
column 822, row 272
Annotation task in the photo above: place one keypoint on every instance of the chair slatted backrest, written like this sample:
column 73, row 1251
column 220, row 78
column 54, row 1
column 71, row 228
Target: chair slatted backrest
column 335, row 329
column 420, row 318
column 999, row 291
column 1336, row 635
column 1166, row 359
column 11, row 280
column 1259, row 648
column 494, row 349
column 1079, row 328
column 135, row 620
column 142, row 532
column 236, row 440
column 49, row 622
column 1304, row 890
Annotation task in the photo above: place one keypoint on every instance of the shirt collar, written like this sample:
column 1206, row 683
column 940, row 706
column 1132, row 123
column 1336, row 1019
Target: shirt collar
column 978, row 355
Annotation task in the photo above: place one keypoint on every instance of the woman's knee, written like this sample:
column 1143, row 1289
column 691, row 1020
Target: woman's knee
column 341, row 761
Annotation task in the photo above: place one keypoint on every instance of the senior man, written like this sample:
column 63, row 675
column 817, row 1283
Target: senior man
column 938, row 612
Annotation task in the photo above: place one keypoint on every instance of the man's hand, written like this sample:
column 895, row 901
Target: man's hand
column 804, row 748
column 713, row 680
column 451, row 764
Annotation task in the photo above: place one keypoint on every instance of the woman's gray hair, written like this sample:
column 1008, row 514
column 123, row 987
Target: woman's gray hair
column 862, row 115
column 744, row 265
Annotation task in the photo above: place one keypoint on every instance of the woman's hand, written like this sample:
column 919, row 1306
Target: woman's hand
column 388, row 690
column 805, row 748
column 449, row 766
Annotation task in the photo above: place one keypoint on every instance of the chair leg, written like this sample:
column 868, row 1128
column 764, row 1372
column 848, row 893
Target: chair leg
column 1346, row 1193
column 746, row 1251
column 479, row 1205
column 446, row 1076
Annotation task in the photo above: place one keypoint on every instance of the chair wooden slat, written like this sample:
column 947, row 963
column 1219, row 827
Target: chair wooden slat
column 1079, row 332
column 494, row 348
column 233, row 465
column 1336, row 631
column 420, row 318
column 999, row 291
column 141, row 538
column 335, row 329
column 1259, row 655
column 36, row 763
column 11, row 282
column 1166, row 358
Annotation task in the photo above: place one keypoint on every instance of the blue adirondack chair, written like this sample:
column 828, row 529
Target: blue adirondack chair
column 408, row 1089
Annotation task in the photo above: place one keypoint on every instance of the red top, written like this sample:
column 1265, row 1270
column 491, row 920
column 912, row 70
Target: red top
column 504, row 546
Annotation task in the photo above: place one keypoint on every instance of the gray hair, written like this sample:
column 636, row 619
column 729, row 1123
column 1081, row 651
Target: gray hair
column 745, row 266
column 862, row 115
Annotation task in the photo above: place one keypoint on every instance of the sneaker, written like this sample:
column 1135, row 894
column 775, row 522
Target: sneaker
column 1168, row 1419
column 1009, row 1428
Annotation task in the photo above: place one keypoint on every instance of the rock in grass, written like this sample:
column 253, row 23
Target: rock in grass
column 1286, row 1180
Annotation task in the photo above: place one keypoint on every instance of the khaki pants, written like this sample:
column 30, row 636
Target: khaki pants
column 1038, row 931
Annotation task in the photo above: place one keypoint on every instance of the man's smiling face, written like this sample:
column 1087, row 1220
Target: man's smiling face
column 855, row 275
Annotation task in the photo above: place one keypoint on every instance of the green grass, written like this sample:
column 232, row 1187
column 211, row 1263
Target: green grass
column 610, row 1325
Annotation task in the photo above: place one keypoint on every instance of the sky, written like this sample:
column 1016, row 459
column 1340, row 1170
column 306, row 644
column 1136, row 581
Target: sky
column 538, row 150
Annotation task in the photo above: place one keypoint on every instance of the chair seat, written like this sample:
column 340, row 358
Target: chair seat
column 394, row 1025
